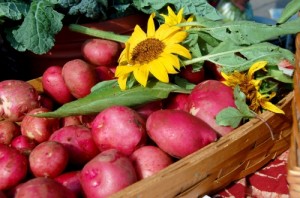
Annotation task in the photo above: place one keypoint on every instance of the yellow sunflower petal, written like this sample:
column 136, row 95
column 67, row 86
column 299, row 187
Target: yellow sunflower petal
column 176, row 38
column 255, row 67
column 168, row 64
column 151, row 26
column 165, row 31
column 180, row 16
column 122, row 81
column 159, row 71
column 256, row 83
column 137, row 36
column 178, row 49
column 172, row 59
column 271, row 107
column 123, row 70
column 141, row 74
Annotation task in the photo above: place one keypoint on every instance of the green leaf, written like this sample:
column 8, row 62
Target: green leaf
column 13, row 10
column 195, row 7
column 248, row 32
column 229, row 117
column 290, row 9
column 280, row 76
column 108, row 95
column 233, row 116
column 232, row 57
column 39, row 27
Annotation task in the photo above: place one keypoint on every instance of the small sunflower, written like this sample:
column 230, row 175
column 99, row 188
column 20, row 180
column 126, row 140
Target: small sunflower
column 172, row 19
column 154, row 52
column 250, row 87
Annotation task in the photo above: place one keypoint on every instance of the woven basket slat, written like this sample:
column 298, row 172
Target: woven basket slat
column 293, row 177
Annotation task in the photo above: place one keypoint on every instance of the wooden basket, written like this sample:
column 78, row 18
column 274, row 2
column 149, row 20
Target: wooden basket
column 294, row 152
column 234, row 156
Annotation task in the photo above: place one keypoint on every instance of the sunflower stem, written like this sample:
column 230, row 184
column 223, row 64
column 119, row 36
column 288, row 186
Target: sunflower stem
column 98, row 33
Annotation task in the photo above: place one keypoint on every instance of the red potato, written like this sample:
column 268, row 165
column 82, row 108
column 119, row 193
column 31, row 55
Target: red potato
column 119, row 127
column 23, row 144
column 71, row 181
column 192, row 76
column 106, row 174
column 207, row 99
column 55, row 86
column 146, row 109
column 48, row 159
column 43, row 187
column 17, row 98
column 8, row 131
column 176, row 101
column 13, row 167
column 101, row 52
column 79, row 77
column 78, row 141
column 70, row 120
column 149, row 160
column 104, row 73
column 179, row 133
column 39, row 129
column 47, row 101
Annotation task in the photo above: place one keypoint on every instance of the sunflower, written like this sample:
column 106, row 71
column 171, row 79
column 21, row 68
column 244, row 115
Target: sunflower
column 155, row 52
column 172, row 19
column 250, row 87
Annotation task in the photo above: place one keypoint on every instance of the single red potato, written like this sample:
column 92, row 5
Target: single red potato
column 146, row 109
column 71, row 181
column 149, row 159
column 79, row 77
column 14, row 167
column 48, row 159
column 179, row 133
column 101, row 52
column 176, row 101
column 17, row 98
column 23, row 144
column 104, row 73
column 43, row 187
column 119, row 127
column 8, row 131
column 106, row 174
column 55, row 86
column 192, row 76
column 78, row 141
column 207, row 99
column 39, row 129
column 70, row 120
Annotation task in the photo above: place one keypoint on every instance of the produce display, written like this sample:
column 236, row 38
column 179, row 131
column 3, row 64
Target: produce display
column 137, row 104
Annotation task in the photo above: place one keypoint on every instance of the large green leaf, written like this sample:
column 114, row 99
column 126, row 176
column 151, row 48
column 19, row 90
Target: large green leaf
column 290, row 9
column 13, row 10
column 247, row 32
column 232, row 57
column 195, row 7
column 38, row 28
column 109, row 94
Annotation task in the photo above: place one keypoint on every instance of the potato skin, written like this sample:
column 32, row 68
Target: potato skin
column 17, row 98
column 101, row 52
column 149, row 159
column 55, row 86
column 107, row 173
column 79, row 77
column 179, row 133
column 115, row 124
column 14, row 167
column 207, row 99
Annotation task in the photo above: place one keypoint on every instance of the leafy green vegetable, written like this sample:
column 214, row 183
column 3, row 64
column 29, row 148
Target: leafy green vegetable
column 34, row 34
column 108, row 93
column 190, row 7
column 245, row 32
column 233, row 116
column 291, row 9
column 12, row 10
column 233, row 57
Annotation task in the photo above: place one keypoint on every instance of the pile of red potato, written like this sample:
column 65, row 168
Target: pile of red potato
column 98, row 155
